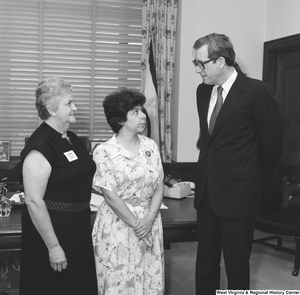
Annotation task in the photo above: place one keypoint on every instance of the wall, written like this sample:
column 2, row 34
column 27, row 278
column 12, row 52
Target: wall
column 249, row 23
column 283, row 18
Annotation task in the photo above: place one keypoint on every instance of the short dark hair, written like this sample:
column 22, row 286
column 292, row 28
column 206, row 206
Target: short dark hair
column 218, row 45
column 118, row 103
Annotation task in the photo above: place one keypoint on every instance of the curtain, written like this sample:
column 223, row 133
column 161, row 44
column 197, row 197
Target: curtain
column 158, row 35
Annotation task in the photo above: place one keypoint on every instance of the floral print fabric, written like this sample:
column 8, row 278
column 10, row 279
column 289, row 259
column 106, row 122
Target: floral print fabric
column 126, row 265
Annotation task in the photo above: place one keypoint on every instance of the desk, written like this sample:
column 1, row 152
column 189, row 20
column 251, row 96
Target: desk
column 179, row 224
column 179, row 220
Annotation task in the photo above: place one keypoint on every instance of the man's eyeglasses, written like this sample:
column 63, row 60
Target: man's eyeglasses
column 201, row 64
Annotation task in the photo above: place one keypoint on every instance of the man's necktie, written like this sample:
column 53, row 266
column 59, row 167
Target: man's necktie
column 216, row 110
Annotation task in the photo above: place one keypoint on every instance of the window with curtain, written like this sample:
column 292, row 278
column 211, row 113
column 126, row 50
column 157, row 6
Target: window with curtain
column 93, row 44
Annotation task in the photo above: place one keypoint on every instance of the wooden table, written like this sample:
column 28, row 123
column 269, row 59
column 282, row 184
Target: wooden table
column 10, row 231
column 179, row 220
column 179, row 224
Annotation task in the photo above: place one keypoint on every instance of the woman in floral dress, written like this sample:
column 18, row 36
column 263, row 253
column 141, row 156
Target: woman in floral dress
column 127, row 234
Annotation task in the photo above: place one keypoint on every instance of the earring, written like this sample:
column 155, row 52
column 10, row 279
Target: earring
column 53, row 115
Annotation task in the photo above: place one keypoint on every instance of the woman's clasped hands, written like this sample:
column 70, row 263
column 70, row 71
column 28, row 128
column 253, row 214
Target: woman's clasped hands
column 143, row 228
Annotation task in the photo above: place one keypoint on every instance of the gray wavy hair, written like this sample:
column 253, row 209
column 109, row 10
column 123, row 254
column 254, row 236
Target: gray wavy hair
column 48, row 94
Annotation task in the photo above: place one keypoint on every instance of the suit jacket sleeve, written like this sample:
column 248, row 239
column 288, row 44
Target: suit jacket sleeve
column 268, row 122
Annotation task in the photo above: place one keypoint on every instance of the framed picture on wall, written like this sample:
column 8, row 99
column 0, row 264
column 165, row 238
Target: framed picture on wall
column 4, row 151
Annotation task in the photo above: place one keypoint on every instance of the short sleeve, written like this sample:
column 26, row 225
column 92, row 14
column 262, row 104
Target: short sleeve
column 104, row 176
column 158, row 162
column 41, row 146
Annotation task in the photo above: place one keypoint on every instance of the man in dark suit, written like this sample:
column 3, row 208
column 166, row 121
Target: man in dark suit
column 240, row 144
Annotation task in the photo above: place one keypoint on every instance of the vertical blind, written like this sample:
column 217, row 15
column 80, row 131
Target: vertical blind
column 93, row 44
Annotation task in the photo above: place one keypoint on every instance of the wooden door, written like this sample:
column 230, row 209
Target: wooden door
column 282, row 72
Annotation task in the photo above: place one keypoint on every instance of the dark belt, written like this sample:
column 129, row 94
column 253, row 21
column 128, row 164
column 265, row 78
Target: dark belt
column 67, row 207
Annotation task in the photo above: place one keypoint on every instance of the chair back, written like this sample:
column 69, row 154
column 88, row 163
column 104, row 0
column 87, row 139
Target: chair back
column 86, row 141
column 290, row 190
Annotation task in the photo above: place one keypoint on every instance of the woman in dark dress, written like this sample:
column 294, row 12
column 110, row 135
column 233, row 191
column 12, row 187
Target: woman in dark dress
column 57, row 253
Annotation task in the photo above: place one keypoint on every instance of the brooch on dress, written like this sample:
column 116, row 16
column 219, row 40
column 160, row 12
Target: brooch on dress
column 147, row 153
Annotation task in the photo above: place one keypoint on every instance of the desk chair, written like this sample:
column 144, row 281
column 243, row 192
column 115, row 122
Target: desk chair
column 86, row 141
column 10, row 253
column 282, row 218
column 9, row 264
column 14, row 180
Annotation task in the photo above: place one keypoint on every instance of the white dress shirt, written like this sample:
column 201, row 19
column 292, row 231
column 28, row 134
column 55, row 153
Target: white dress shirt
column 226, row 87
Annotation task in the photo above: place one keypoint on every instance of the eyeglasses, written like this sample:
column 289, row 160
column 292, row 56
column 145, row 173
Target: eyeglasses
column 200, row 64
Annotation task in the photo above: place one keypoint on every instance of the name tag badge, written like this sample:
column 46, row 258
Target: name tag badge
column 117, row 159
column 71, row 156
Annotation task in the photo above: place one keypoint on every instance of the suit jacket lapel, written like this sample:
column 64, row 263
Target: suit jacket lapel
column 233, row 97
column 205, row 98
